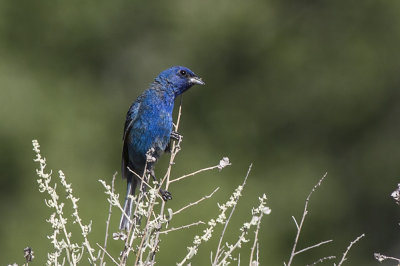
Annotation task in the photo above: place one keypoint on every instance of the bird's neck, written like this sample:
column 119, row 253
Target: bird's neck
column 165, row 86
column 162, row 95
column 171, row 88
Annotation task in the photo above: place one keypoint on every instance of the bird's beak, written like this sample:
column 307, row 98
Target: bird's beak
column 196, row 80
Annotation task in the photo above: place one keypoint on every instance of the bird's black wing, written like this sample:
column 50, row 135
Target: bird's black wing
column 130, row 118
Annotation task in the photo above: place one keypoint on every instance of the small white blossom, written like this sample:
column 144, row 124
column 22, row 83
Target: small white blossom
column 257, row 214
column 149, row 156
column 197, row 240
column 224, row 162
column 119, row 236
column 57, row 220
column 379, row 257
column 192, row 252
column 170, row 214
column 266, row 210
column 212, row 223
column 396, row 194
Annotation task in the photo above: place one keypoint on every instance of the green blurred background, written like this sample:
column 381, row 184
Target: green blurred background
column 299, row 88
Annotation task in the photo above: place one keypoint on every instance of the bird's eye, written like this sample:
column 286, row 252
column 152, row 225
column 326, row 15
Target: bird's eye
column 182, row 72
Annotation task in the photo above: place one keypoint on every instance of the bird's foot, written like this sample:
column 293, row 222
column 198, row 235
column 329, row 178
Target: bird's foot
column 165, row 194
column 176, row 136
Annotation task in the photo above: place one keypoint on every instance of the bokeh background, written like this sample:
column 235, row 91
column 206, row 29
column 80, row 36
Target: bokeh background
column 299, row 88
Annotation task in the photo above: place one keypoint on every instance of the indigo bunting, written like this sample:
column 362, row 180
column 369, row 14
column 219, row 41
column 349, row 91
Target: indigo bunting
column 148, row 127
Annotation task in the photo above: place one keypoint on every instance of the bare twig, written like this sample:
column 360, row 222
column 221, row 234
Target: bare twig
column 74, row 251
column 181, row 227
column 221, row 219
column 255, row 244
column 143, row 237
column 131, row 231
column 227, row 222
column 146, row 232
column 174, row 150
column 196, row 202
column 258, row 258
column 107, row 222
column 313, row 246
column 295, row 222
column 194, row 173
column 381, row 258
column 257, row 214
column 299, row 226
column 147, row 229
column 108, row 254
column 348, row 249
column 322, row 260
column 142, row 181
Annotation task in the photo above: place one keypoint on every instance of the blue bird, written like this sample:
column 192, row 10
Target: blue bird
column 148, row 126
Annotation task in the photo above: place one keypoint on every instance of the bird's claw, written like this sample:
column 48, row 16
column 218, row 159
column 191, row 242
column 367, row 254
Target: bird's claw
column 165, row 195
column 176, row 136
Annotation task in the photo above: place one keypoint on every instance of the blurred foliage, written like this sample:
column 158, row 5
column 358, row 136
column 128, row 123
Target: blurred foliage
column 297, row 87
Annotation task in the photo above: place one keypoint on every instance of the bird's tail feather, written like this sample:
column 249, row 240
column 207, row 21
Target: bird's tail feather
column 131, row 186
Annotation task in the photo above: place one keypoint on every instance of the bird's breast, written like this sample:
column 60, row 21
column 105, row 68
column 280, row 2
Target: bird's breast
column 151, row 129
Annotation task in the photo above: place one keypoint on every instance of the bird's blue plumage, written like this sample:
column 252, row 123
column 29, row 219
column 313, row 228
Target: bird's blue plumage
column 149, row 125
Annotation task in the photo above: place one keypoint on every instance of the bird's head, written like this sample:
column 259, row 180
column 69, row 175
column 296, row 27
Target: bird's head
column 179, row 78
